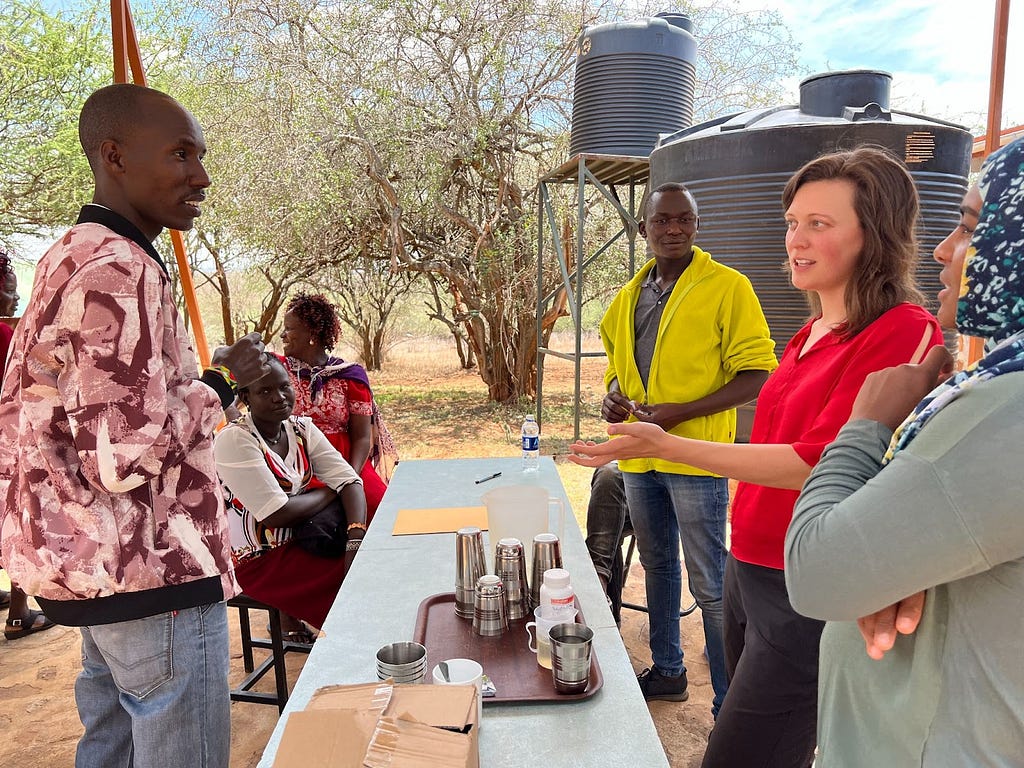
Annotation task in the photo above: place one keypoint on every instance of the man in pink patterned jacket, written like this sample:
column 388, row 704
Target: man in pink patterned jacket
column 111, row 513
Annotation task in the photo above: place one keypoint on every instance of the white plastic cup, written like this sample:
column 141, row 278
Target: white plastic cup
column 464, row 672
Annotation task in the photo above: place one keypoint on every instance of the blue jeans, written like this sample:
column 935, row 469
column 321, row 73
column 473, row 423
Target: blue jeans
column 665, row 509
column 153, row 692
column 607, row 518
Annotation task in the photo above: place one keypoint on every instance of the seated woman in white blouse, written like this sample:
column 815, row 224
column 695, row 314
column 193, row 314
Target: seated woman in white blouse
column 278, row 471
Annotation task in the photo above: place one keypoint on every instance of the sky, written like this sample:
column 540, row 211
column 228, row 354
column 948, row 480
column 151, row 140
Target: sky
column 938, row 51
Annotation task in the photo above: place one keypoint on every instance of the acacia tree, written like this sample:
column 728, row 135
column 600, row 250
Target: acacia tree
column 366, row 293
column 456, row 109
column 280, row 195
column 454, row 118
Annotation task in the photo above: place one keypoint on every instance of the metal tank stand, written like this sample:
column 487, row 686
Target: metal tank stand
column 603, row 173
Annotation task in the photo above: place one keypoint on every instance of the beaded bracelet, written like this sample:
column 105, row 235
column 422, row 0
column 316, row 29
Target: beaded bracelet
column 360, row 526
column 352, row 545
column 225, row 374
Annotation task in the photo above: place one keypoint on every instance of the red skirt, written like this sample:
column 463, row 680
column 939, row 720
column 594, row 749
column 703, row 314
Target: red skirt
column 293, row 581
column 373, row 486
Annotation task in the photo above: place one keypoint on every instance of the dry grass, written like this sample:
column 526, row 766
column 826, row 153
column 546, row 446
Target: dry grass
column 436, row 410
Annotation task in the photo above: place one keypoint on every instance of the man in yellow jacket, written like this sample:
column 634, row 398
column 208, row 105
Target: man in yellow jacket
column 687, row 342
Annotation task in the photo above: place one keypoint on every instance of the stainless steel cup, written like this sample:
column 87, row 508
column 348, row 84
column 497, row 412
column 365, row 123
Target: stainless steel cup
column 510, row 567
column 547, row 554
column 490, row 614
column 469, row 567
column 570, row 657
column 404, row 662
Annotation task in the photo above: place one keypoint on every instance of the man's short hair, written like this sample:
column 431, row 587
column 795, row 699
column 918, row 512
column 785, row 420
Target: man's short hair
column 109, row 114
column 668, row 186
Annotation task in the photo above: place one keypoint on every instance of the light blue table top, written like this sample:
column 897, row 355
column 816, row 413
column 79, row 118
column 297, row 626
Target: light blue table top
column 391, row 575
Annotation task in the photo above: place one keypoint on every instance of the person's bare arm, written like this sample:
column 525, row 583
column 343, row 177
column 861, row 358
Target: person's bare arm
column 360, row 433
column 300, row 508
column 777, row 466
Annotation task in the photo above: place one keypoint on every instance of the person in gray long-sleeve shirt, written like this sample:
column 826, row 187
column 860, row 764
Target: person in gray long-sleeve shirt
column 944, row 518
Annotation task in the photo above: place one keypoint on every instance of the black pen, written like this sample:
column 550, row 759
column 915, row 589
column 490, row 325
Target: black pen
column 489, row 477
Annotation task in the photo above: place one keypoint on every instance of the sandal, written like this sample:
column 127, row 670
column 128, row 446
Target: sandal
column 300, row 636
column 16, row 628
column 303, row 636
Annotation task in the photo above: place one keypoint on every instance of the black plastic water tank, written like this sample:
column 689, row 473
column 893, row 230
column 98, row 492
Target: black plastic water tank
column 737, row 166
column 634, row 81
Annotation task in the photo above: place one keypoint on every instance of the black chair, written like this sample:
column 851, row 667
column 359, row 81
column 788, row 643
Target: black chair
column 277, row 646
column 625, row 575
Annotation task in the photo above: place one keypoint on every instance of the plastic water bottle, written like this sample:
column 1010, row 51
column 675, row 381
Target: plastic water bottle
column 530, row 434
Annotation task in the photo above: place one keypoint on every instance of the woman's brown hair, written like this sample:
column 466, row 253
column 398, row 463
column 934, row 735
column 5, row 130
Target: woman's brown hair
column 887, row 208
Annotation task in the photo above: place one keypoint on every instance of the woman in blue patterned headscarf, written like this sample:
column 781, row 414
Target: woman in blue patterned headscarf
column 991, row 301
column 938, row 528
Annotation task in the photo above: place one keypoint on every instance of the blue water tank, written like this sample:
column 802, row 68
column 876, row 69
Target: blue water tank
column 737, row 167
column 634, row 81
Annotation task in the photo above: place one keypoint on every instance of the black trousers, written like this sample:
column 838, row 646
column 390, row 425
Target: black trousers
column 769, row 716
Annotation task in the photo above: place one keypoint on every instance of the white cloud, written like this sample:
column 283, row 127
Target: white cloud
column 938, row 51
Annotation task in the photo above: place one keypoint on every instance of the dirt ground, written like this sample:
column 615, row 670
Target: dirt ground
column 433, row 409
column 37, row 706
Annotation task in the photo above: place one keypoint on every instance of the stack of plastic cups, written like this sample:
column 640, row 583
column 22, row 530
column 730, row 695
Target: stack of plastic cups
column 469, row 567
column 490, row 614
column 510, row 567
column 547, row 554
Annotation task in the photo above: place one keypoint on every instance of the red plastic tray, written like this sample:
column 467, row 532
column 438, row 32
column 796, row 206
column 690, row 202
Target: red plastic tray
column 506, row 659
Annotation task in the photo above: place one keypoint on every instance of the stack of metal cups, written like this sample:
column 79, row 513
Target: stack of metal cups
column 510, row 567
column 547, row 554
column 469, row 567
column 490, row 614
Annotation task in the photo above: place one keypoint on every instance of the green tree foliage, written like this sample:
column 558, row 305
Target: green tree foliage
column 411, row 132
column 49, row 64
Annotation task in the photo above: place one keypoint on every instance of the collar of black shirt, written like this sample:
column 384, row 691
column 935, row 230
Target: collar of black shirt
column 98, row 214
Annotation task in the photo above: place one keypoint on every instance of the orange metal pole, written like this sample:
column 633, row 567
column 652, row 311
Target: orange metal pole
column 134, row 55
column 117, row 30
column 127, row 56
column 188, row 289
column 998, row 76
column 975, row 347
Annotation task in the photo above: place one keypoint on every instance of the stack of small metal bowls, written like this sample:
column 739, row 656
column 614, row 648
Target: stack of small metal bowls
column 404, row 662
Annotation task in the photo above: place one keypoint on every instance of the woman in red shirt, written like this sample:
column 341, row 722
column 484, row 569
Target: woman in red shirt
column 851, row 219
column 333, row 392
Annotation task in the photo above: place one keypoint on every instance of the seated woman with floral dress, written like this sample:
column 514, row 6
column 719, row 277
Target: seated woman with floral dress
column 278, row 471
column 334, row 393
column 22, row 621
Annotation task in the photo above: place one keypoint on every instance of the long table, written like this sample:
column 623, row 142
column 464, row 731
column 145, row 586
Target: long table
column 391, row 575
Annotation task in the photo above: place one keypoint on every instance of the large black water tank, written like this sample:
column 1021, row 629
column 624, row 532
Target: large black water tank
column 634, row 81
column 737, row 166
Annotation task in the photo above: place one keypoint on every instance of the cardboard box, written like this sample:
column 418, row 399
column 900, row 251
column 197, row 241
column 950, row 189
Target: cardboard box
column 379, row 724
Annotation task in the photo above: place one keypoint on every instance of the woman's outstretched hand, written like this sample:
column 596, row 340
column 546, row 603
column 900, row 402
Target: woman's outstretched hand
column 632, row 441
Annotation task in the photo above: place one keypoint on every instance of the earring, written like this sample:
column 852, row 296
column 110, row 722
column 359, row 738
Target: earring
column 312, row 343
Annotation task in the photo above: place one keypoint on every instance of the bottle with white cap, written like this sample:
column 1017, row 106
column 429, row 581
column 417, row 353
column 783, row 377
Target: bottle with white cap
column 557, row 598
